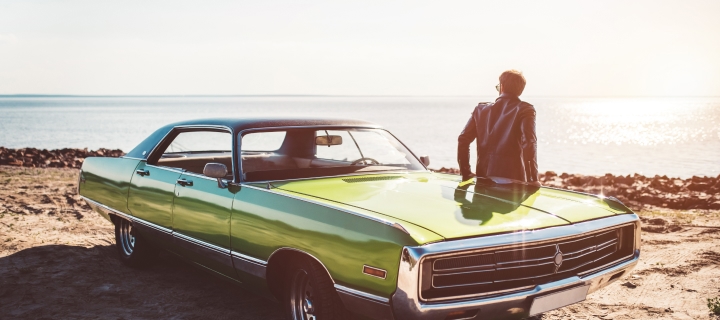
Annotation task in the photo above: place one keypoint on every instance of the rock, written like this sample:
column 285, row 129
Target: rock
column 629, row 285
column 698, row 186
column 715, row 205
column 656, row 222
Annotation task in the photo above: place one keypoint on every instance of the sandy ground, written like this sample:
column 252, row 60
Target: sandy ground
column 58, row 261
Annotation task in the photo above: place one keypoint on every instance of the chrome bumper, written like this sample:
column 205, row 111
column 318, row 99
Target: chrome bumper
column 516, row 305
column 407, row 303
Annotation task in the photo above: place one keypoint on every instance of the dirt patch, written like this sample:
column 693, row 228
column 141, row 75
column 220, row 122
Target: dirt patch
column 710, row 232
column 660, row 225
column 659, row 242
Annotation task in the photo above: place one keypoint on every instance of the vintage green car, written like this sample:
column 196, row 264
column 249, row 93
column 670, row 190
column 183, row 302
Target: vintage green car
column 336, row 218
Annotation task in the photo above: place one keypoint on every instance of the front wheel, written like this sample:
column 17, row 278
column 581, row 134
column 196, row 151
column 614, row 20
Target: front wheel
column 310, row 294
column 133, row 251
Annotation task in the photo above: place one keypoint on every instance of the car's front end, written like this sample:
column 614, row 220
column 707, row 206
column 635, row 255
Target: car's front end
column 515, row 275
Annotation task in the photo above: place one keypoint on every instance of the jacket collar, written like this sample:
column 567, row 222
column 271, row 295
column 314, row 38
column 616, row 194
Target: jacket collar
column 507, row 96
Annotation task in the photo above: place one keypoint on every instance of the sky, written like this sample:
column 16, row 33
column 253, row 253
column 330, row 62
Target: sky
column 416, row 48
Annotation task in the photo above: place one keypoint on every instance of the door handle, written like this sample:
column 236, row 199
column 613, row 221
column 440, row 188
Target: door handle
column 184, row 183
column 142, row 172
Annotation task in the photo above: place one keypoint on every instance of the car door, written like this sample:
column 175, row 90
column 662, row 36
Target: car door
column 201, row 222
column 201, row 208
column 150, row 198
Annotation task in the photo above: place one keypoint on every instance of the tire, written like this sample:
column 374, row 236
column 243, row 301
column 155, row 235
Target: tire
column 133, row 250
column 310, row 294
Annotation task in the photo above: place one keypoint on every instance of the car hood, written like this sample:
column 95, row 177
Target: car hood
column 441, row 204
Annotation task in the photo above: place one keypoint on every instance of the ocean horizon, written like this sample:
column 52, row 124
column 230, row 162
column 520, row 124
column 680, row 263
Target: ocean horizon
column 673, row 136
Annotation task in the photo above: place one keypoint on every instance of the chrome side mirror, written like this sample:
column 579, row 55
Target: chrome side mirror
column 217, row 171
column 425, row 160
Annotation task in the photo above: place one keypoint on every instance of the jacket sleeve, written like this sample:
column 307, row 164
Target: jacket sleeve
column 529, row 144
column 467, row 136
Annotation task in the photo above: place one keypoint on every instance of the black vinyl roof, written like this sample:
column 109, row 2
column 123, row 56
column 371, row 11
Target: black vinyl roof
column 239, row 124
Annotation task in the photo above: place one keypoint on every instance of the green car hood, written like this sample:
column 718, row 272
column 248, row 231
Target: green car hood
column 439, row 203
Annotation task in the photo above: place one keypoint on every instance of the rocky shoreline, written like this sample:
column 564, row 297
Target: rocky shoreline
column 636, row 190
column 59, row 158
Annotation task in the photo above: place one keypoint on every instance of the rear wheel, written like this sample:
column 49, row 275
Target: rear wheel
column 310, row 294
column 134, row 251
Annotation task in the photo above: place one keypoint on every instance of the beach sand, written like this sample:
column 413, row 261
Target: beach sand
column 58, row 260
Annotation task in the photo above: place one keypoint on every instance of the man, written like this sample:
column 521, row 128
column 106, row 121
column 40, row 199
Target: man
column 505, row 133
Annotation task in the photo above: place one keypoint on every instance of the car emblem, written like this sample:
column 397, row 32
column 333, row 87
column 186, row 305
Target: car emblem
column 558, row 259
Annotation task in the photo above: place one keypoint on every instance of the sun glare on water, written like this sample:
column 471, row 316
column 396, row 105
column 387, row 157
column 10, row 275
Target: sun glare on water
column 638, row 122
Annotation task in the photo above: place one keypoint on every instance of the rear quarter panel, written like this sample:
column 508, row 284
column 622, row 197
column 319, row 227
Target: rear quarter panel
column 107, row 180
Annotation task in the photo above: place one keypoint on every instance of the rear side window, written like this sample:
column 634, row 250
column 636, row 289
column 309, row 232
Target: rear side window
column 190, row 151
column 200, row 141
column 263, row 141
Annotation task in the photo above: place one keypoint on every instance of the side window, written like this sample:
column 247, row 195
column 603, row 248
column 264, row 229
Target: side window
column 263, row 141
column 260, row 151
column 190, row 151
column 200, row 142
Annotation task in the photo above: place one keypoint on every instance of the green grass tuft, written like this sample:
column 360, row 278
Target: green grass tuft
column 714, row 305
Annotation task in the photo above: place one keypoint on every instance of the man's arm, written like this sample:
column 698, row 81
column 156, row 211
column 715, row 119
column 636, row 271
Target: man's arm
column 467, row 136
column 529, row 145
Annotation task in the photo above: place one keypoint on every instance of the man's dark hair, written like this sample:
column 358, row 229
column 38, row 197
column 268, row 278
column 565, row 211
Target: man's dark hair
column 512, row 82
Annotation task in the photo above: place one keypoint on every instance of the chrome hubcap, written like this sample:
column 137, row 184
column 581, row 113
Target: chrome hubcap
column 127, row 240
column 301, row 297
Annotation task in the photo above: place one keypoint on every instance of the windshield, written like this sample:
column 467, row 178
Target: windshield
column 307, row 153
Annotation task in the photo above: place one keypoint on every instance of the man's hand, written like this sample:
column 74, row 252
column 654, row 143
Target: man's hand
column 534, row 183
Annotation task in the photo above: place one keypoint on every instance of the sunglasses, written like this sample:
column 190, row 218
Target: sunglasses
column 497, row 87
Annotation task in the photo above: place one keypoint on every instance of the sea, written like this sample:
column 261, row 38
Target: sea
column 677, row 137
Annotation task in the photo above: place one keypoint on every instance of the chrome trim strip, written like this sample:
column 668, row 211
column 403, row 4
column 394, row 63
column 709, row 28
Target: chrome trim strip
column 248, row 258
column 171, row 169
column 132, row 158
column 363, row 303
column 127, row 216
column 362, row 294
column 249, row 266
column 376, row 219
column 187, row 173
column 152, row 225
column 201, row 243
column 192, row 174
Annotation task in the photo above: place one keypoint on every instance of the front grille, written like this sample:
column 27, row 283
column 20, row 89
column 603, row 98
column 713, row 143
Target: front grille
column 525, row 265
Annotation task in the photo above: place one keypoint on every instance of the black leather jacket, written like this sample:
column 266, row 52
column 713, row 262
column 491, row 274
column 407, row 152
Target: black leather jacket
column 506, row 140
